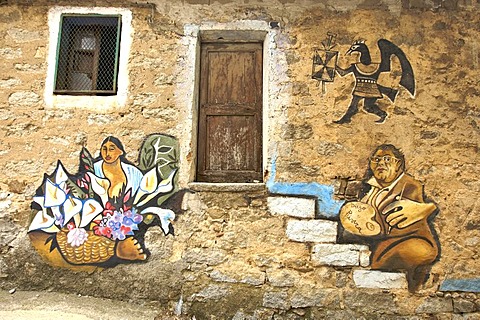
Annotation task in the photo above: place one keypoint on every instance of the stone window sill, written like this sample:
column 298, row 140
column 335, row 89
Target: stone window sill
column 226, row 187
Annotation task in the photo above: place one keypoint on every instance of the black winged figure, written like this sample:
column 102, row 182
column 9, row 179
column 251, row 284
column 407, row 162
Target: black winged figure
column 366, row 75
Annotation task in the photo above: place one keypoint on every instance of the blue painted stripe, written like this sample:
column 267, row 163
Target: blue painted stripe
column 328, row 207
column 466, row 285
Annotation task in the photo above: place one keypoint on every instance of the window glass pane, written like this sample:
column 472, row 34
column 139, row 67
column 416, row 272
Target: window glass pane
column 88, row 42
column 87, row 56
column 83, row 61
column 81, row 81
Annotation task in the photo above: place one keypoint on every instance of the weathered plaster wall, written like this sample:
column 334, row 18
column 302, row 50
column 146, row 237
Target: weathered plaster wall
column 232, row 253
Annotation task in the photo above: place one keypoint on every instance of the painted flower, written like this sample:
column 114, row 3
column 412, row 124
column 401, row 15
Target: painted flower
column 77, row 236
column 131, row 218
column 108, row 210
column 72, row 207
column 59, row 219
column 117, row 216
column 126, row 230
column 64, row 204
column 99, row 186
column 137, row 218
column 118, row 235
column 127, row 221
column 150, row 186
column 114, row 225
column 166, row 217
column 102, row 231
column 117, row 224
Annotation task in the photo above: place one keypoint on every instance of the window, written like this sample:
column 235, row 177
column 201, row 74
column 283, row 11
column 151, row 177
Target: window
column 230, row 112
column 88, row 54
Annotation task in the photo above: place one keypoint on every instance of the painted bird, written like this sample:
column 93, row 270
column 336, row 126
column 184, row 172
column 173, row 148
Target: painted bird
column 366, row 75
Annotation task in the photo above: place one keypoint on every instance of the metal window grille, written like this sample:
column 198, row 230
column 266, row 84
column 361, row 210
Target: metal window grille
column 87, row 54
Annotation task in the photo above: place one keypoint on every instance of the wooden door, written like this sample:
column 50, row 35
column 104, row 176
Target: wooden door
column 230, row 115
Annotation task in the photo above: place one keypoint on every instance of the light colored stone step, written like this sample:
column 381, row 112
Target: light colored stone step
column 376, row 279
column 320, row 231
column 292, row 206
column 342, row 255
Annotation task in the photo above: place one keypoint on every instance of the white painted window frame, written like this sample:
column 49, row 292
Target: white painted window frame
column 97, row 103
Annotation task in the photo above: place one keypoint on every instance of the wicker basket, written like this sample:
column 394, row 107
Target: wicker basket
column 96, row 249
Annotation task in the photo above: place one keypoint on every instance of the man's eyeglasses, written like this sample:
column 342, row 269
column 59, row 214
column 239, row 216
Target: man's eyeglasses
column 386, row 159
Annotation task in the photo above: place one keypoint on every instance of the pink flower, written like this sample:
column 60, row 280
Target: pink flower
column 103, row 231
column 125, row 230
column 109, row 209
column 77, row 236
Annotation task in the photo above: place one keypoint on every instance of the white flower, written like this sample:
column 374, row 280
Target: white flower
column 60, row 173
column 71, row 207
column 77, row 236
column 91, row 209
column 150, row 187
column 54, row 195
column 100, row 186
column 41, row 220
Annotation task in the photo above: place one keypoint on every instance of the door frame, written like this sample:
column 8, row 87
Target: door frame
column 274, row 61
column 254, row 110
column 215, row 35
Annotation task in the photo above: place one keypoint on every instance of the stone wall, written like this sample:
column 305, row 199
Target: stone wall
column 268, row 250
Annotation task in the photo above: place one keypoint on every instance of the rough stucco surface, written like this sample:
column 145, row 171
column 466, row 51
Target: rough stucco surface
column 230, row 257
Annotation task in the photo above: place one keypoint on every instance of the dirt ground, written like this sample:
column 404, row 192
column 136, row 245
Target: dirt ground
column 27, row 305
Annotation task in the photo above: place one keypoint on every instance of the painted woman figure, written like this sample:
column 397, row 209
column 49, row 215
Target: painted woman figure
column 93, row 217
column 113, row 165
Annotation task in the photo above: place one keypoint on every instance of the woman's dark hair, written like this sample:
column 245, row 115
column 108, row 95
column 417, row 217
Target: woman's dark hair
column 118, row 143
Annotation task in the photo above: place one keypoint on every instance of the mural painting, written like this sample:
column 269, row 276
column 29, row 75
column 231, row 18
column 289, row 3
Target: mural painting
column 98, row 217
column 394, row 218
column 367, row 73
column 325, row 61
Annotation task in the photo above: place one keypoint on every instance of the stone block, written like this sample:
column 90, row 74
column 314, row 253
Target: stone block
column 237, row 272
column 221, row 277
column 313, row 297
column 3, row 269
column 281, row 278
column 376, row 279
column 464, row 306
column 342, row 255
column 278, row 300
column 297, row 132
column 418, row 4
column 213, row 292
column 466, row 285
column 372, row 302
column 312, row 231
column 254, row 279
column 291, row 206
column 24, row 98
column 365, row 258
column 24, row 36
column 466, row 316
column 9, row 83
column 242, row 316
column 10, row 53
column 209, row 257
column 436, row 305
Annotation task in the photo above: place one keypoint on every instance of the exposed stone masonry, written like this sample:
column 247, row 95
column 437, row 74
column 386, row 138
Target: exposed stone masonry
column 242, row 253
